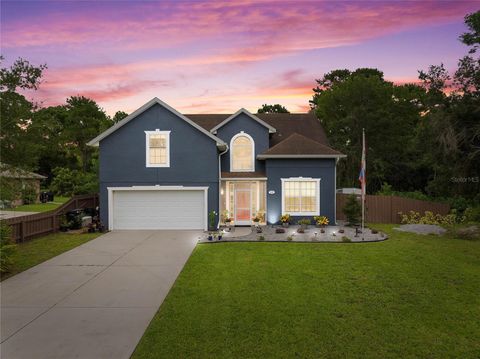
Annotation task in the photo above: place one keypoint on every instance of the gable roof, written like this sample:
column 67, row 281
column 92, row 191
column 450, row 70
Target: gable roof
column 154, row 101
column 8, row 171
column 271, row 129
column 299, row 146
column 305, row 124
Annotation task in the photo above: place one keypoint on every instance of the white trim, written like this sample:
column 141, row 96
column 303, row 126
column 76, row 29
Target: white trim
column 155, row 188
column 335, row 201
column 302, row 179
column 220, row 186
column 244, row 178
column 155, row 100
column 147, row 148
column 271, row 129
column 242, row 133
column 262, row 157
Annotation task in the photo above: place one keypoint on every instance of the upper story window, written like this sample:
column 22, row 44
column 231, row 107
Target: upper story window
column 157, row 148
column 242, row 153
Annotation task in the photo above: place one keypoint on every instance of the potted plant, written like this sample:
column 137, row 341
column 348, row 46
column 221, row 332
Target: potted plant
column 320, row 221
column 304, row 222
column 226, row 218
column 256, row 219
column 285, row 219
column 220, row 235
column 210, row 236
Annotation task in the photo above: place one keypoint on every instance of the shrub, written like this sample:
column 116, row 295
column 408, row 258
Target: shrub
column 289, row 238
column 472, row 214
column 29, row 195
column 261, row 238
column 352, row 210
column 69, row 182
column 212, row 215
column 429, row 218
column 467, row 233
column 7, row 247
column 346, row 239
column 304, row 221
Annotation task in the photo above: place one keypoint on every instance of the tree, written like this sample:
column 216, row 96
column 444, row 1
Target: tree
column 352, row 210
column 119, row 115
column 472, row 37
column 346, row 102
column 84, row 121
column 18, row 147
column 449, row 134
column 272, row 109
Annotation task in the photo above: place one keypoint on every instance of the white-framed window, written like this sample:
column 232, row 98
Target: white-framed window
column 157, row 144
column 301, row 196
column 242, row 153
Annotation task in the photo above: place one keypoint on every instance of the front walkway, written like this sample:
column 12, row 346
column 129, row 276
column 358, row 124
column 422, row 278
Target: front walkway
column 94, row 301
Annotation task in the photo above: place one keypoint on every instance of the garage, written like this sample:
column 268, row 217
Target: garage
column 157, row 207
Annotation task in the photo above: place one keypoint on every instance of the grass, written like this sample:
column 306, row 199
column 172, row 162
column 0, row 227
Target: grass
column 38, row 250
column 411, row 296
column 42, row 207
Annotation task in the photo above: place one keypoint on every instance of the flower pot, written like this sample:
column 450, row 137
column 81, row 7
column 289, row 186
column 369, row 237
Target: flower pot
column 210, row 237
column 285, row 224
column 220, row 237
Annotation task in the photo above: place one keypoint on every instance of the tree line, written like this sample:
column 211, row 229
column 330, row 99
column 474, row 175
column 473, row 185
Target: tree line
column 421, row 138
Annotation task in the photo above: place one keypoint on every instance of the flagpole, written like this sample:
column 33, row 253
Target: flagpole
column 364, row 182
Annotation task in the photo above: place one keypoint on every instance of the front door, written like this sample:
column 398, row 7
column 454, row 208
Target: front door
column 243, row 205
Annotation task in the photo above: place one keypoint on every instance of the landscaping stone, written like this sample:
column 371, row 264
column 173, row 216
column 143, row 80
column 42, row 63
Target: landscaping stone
column 311, row 234
column 421, row 229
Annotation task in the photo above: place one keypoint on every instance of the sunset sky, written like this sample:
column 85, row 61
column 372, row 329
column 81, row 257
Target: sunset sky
column 219, row 56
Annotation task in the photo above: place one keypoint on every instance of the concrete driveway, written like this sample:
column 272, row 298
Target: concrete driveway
column 94, row 301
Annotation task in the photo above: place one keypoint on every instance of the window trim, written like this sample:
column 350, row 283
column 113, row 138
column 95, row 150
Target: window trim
column 147, row 148
column 302, row 179
column 242, row 133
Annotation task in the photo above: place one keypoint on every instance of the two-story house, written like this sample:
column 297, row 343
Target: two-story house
column 160, row 169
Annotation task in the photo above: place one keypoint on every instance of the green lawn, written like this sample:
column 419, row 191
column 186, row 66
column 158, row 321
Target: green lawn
column 408, row 297
column 43, row 207
column 38, row 250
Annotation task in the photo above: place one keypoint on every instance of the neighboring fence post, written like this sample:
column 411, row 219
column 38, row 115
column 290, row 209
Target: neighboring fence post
column 23, row 229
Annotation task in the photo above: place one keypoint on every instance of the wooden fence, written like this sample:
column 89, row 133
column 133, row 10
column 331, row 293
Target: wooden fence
column 34, row 225
column 385, row 209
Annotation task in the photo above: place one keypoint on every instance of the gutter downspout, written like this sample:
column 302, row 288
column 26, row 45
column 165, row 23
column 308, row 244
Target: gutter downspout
column 220, row 182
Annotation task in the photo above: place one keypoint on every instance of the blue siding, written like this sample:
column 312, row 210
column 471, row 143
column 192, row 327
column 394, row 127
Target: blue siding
column 246, row 124
column 193, row 157
column 315, row 168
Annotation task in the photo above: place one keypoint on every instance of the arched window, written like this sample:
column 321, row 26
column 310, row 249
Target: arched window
column 242, row 153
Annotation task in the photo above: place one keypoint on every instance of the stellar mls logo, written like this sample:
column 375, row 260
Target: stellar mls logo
column 465, row 179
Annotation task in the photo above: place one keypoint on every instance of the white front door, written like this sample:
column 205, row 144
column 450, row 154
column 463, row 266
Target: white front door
column 243, row 204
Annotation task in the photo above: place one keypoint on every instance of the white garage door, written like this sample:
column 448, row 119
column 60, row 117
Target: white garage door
column 158, row 209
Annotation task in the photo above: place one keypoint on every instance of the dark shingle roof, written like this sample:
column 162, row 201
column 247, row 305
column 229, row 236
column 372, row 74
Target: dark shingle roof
column 8, row 171
column 285, row 123
column 297, row 144
column 297, row 133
